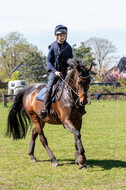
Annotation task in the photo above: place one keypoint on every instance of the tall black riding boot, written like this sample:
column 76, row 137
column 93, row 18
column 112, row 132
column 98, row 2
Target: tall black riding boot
column 44, row 112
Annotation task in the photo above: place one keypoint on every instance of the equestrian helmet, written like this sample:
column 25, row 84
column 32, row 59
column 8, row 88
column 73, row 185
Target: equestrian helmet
column 60, row 29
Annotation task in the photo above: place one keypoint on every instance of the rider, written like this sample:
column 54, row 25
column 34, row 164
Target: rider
column 59, row 52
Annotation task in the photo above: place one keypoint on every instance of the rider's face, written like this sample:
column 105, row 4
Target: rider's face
column 61, row 38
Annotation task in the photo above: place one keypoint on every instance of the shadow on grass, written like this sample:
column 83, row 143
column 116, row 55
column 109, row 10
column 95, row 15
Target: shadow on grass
column 67, row 161
column 105, row 164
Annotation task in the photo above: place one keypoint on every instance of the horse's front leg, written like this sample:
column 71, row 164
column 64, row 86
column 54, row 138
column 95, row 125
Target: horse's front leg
column 76, row 146
column 77, row 152
column 80, row 158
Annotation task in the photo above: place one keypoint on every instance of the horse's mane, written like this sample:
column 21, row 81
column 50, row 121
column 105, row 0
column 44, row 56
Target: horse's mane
column 74, row 64
column 69, row 75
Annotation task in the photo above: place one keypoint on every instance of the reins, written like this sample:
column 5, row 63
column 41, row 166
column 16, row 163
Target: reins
column 69, row 86
column 83, row 93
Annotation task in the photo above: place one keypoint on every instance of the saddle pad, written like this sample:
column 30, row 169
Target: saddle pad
column 42, row 93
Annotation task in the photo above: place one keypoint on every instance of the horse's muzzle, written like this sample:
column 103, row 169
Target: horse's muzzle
column 82, row 103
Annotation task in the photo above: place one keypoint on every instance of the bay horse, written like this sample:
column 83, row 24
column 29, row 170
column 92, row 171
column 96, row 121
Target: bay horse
column 69, row 106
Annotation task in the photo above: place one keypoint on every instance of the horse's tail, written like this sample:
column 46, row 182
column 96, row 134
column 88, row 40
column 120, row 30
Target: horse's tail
column 18, row 120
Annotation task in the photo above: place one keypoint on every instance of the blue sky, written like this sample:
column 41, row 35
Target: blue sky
column 36, row 20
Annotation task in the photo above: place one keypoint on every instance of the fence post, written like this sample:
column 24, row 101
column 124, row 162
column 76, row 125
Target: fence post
column 5, row 100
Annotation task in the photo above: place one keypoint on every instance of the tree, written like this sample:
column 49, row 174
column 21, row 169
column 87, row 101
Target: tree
column 16, row 76
column 102, row 50
column 1, row 76
column 33, row 67
column 84, row 53
column 13, row 48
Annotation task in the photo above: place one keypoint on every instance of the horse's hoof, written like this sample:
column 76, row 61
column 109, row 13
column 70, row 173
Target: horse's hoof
column 55, row 164
column 80, row 166
column 81, row 159
column 33, row 160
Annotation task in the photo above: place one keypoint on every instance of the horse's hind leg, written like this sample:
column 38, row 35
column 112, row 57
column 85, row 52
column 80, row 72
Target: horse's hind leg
column 32, row 145
column 39, row 125
column 49, row 152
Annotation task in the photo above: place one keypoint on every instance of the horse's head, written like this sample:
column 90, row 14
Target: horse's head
column 82, row 79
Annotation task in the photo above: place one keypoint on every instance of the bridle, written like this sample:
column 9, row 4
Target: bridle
column 77, row 90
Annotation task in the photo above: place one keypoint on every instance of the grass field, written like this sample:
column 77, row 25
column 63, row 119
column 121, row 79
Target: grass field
column 103, row 136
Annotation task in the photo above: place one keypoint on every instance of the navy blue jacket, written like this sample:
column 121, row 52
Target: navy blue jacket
column 58, row 56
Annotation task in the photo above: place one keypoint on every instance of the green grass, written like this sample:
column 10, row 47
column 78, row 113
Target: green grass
column 104, row 139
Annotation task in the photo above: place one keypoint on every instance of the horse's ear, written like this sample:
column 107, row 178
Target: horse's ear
column 89, row 67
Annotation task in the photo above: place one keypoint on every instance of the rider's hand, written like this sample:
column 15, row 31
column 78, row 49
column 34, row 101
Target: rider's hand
column 57, row 73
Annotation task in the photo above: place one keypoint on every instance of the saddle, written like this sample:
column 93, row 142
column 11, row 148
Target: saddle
column 42, row 93
column 41, row 97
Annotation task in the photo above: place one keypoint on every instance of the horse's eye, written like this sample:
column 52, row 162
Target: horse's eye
column 82, row 83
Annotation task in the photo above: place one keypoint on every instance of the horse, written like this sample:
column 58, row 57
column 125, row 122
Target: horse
column 67, row 109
